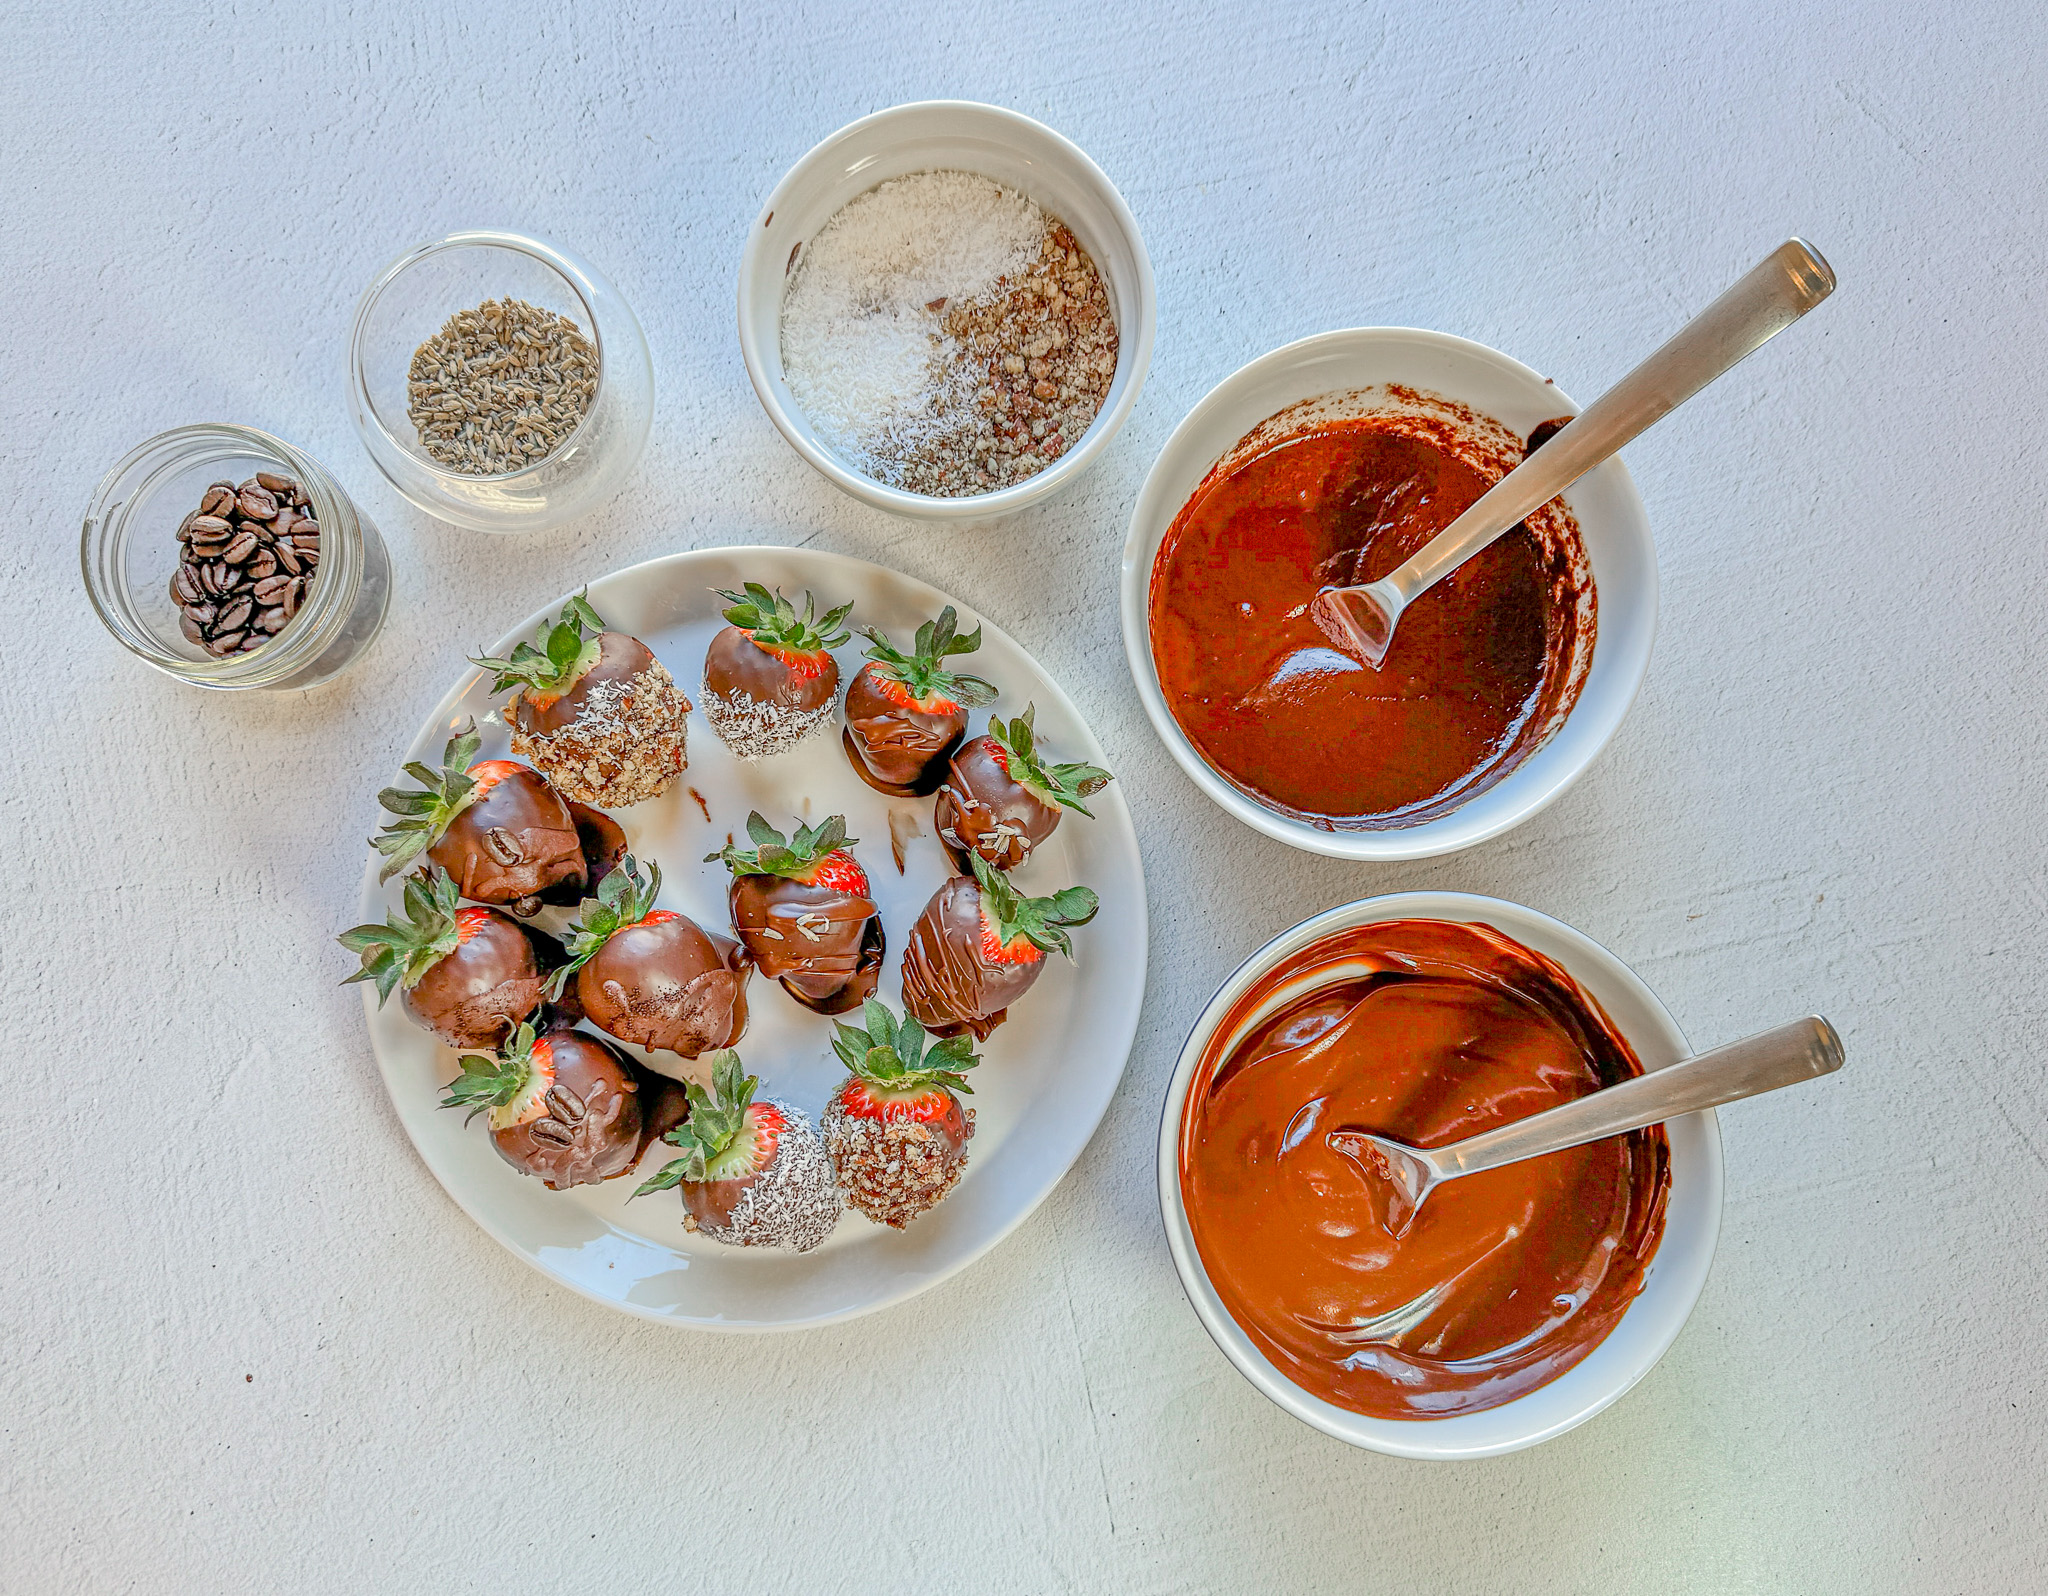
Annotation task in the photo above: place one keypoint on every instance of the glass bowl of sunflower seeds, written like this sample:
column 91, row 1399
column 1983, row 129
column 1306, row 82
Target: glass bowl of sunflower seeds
column 499, row 381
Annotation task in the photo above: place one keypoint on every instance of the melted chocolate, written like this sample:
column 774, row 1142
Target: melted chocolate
column 737, row 667
column 947, row 984
column 823, row 944
column 895, row 749
column 475, row 996
column 619, row 659
column 981, row 809
column 592, row 1128
column 667, row 984
column 1427, row 1032
column 513, row 842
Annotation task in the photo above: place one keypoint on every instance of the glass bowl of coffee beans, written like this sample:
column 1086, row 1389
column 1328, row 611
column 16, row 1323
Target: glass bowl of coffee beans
column 227, row 558
column 499, row 381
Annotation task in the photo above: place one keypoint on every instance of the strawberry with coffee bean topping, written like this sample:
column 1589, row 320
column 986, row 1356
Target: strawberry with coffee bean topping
column 980, row 945
column 651, row 976
column 594, row 710
column 895, row 1130
column 804, row 909
column 562, row 1106
column 1000, row 799
column 751, row 1174
column 497, row 827
column 906, row 713
column 468, row 975
column 769, row 677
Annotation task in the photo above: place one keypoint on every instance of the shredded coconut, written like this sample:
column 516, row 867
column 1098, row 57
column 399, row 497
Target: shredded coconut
column 863, row 347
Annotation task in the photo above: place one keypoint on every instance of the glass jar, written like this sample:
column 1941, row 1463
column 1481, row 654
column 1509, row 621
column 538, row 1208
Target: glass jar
column 410, row 301
column 130, row 552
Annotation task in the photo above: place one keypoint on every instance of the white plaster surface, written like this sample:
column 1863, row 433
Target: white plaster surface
column 247, row 1344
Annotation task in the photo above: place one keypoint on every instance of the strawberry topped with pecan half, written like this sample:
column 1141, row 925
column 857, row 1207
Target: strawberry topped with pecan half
column 497, row 827
column 769, row 677
column 469, row 975
column 895, row 1130
column 751, row 1174
column 651, row 976
column 594, row 710
column 1000, row 799
column 906, row 713
column 802, row 906
column 980, row 945
column 562, row 1106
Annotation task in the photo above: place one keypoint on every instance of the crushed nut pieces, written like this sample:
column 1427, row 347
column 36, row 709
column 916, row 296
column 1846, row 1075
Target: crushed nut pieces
column 500, row 387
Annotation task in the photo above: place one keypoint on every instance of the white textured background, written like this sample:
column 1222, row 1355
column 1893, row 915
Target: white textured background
column 246, row 1344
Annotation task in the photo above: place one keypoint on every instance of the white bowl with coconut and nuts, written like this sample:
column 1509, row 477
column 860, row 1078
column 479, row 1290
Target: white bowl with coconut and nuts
column 947, row 309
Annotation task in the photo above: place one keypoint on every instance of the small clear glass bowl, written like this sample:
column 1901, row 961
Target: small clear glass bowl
column 130, row 551
column 411, row 299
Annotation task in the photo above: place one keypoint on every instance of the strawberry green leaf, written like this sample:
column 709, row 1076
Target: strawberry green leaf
column 491, row 1080
column 717, row 1115
column 923, row 671
column 402, row 950
column 425, row 815
column 774, row 623
column 776, row 855
column 1065, row 785
column 623, row 898
column 1043, row 920
column 564, row 653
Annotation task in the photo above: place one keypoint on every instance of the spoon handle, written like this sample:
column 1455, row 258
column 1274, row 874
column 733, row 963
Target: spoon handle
column 1775, row 293
column 1785, row 1056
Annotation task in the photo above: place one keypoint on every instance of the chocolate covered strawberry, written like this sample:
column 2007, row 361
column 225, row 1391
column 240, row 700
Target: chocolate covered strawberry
column 906, row 713
column 803, row 908
column 751, row 1174
column 895, row 1130
column 603, row 842
column 497, row 827
column 769, row 677
column 594, row 710
column 562, row 1106
column 1001, row 800
column 651, row 976
column 469, row 975
column 979, row 946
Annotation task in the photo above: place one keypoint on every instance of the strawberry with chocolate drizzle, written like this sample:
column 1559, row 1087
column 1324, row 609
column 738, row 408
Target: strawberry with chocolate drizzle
column 1001, row 800
column 895, row 1130
column 906, row 713
column 979, row 946
column 497, row 827
column 469, row 975
column 651, row 976
column 562, row 1106
column 803, row 907
column 594, row 710
column 769, row 677
column 751, row 1174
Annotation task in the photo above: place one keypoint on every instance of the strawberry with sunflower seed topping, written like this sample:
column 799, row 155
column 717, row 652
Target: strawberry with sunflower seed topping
column 803, row 907
column 563, row 1106
column 469, row 975
column 1001, row 800
column 651, row 976
column 979, row 946
column 594, row 710
column 496, row 826
column 769, row 677
column 751, row 1174
column 906, row 713
column 895, row 1130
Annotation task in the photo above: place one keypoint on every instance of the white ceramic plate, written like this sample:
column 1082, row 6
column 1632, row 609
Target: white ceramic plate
column 1047, row 1074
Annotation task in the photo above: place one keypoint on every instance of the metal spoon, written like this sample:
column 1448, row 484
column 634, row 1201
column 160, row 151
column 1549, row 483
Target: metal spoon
column 1402, row 1177
column 1781, row 288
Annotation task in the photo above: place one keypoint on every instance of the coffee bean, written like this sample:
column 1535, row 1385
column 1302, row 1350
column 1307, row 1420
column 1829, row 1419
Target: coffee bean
column 283, row 487
column 288, row 557
column 254, row 641
column 247, row 561
column 272, row 620
column 271, row 589
column 201, row 614
column 243, row 546
column 236, row 615
column 227, row 642
column 210, row 528
column 287, row 518
column 292, row 595
column 256, row 503
column 261, row 565
column 220, row 498
column 191, row 630
column 185, row 588
column 307, row 534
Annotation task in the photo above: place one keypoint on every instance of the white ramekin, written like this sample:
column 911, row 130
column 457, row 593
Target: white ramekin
column 933, row 135
column 1610, row 516
column 1676, row 1274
